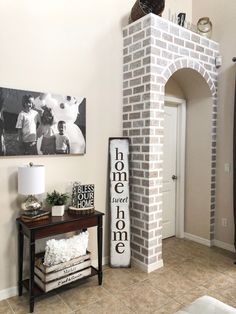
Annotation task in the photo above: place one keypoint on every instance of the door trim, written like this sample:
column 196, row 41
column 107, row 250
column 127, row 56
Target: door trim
column 180, row 162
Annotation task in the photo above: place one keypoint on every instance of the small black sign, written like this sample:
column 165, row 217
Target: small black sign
column 83, row 196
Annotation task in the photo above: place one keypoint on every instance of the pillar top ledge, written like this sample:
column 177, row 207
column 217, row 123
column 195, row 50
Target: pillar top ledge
column 156, row 21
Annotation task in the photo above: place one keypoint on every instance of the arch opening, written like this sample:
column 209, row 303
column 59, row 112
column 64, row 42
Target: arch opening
column 199, row 165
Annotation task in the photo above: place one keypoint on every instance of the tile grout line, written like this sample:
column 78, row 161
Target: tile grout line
column 72, row 311
column 81, row 307
column 132, row 285
column 121, row 301
column 202, row 259
column 10, row 306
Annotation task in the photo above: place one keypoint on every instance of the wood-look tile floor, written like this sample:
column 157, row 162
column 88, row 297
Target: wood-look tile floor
column 190, row 270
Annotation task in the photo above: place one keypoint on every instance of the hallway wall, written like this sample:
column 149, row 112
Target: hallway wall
column 223, row 17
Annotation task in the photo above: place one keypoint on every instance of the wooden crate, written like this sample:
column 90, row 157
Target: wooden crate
column 49, row 269
column 48, row 286
column 46, row 277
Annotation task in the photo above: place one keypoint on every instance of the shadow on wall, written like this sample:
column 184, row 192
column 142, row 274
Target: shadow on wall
column 10, row 227
column 12, row 188
column 124, row 21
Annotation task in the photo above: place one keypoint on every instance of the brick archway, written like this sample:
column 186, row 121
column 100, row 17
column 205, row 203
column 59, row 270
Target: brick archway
column 154, row 49
column 189, row 63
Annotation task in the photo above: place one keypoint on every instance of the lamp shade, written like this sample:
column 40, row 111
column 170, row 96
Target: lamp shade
column 31, row 180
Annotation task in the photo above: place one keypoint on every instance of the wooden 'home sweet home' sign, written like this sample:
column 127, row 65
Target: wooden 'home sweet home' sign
column 120, row 255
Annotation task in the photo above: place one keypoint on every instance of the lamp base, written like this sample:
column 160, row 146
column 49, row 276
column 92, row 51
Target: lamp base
column 32, row 204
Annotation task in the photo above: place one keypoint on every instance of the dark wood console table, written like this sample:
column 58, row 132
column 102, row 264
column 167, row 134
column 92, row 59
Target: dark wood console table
column 49, row 227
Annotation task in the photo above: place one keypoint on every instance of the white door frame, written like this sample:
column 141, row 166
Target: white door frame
column 180, row 162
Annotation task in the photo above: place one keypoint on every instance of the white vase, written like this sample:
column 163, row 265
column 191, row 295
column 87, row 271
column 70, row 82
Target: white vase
column 58, row 210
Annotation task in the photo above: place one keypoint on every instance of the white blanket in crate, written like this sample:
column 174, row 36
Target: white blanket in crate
column 59, row 251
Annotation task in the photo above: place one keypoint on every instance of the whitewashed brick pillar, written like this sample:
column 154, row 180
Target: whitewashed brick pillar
column 154, row 49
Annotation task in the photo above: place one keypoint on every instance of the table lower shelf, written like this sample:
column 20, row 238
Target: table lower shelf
column 37, row 291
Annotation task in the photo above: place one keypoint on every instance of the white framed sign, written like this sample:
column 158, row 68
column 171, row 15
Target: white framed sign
column 120, row 255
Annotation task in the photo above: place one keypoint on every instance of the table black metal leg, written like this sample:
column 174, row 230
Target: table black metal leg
column 20, row 258
column 31, row 272
column 99, row 239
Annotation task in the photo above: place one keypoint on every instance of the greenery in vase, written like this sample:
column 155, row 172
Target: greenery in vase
column 55, row 198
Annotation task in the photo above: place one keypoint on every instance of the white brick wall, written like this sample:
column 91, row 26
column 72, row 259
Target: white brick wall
column 154, row 49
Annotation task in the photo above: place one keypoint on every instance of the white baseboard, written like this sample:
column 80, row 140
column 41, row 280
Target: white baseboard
column 8, row 293
column 11, row 292
column 224, row 245
column 146, row 268
column 197, row 239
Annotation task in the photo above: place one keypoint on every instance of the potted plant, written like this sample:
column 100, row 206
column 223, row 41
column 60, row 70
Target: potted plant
column 57, row 201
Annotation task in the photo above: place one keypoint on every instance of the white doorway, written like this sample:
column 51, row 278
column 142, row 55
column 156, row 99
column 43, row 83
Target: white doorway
column 174, row 167
column 169, row 170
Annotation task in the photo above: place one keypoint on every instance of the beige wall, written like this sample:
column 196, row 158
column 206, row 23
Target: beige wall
column 176, row 6
column 172, row 89
column 198, row 155
column 72, row 48
column 223, row 17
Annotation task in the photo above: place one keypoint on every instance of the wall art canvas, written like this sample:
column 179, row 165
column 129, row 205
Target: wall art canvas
column 120, row 254
column 38, row 123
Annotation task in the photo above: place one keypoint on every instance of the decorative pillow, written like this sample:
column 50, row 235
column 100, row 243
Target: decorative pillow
column 59, row 251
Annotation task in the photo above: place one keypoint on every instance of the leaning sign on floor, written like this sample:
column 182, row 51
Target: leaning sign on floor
column 119, row 202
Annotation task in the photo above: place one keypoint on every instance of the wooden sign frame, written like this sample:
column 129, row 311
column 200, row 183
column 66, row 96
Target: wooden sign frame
column 120, row 253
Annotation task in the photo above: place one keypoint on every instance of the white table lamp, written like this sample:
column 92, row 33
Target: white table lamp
column 31, row 181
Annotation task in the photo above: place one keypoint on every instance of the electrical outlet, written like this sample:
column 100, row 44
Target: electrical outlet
column 227, row 168
column 224, row 222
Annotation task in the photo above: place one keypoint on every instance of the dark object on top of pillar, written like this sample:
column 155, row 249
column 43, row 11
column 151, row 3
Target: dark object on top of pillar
column 143, row 7
column 234, row 59
column 181, row 19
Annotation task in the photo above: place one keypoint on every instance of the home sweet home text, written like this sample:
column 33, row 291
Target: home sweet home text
column 119, row 203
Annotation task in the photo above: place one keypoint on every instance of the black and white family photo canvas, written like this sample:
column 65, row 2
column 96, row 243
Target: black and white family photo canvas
column 34, row 123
